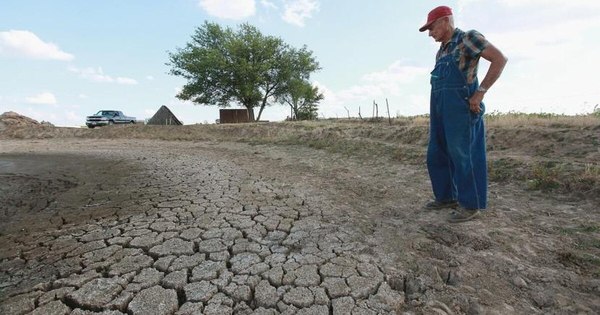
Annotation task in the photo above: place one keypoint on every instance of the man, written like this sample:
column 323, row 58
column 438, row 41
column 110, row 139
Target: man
column 456, row 157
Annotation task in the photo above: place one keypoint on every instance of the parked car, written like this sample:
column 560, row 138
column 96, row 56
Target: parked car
column 108, row 117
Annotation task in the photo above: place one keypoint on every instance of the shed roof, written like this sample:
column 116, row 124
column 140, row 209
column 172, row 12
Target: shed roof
column 164, row 116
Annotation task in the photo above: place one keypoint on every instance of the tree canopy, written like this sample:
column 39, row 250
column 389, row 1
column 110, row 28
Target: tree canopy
column 302, row 98
column 223, row 66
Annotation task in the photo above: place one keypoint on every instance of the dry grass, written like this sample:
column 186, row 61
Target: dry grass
column 513, row 119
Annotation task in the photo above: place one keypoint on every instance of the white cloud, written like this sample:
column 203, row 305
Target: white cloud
column 27, row 44
column 97, row 75
column 126, row 81
column 564, row 42
column 229, row 9
column 396, row 73
column 388, row 83
column 297, row 11
column 178, row 101
column 82, row 96
column 524, row 15
column 149, row 77
column 45, row 98
column 573, row 3
column 548, row 51
column 268, row 4
column 546, row 4
column 73, row 117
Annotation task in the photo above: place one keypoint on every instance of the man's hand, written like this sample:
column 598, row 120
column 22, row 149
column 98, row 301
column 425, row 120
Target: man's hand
column 475, row 102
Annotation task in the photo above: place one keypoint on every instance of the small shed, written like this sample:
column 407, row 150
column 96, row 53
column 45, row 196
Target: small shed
column 232, row 116
column 164, row 116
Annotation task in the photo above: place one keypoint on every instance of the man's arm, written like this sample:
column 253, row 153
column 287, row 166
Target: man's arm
column 498, row 61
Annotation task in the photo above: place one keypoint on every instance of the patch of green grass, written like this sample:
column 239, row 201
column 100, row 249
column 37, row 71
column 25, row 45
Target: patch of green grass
column 579, row 259
column 585, row 236
column 584, row 228
column 590, row 259
column 544, row 176
column 410, row 154
column 588, row 243
column 567, row 177
column 504, row 169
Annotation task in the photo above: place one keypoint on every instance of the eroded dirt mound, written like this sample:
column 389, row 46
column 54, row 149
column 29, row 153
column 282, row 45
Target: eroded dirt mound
column 15, row 119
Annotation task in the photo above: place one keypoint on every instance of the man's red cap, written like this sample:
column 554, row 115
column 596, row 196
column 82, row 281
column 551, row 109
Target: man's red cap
column 435, row 14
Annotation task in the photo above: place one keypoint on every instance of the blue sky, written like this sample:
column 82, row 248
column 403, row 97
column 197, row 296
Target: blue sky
column 62, row 60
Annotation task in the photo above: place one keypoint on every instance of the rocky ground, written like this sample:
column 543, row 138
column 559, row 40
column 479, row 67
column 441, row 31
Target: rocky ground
column 147, row 226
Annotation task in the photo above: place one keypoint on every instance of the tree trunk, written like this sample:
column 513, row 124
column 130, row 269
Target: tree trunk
column 250, row 113
column 250, row 110
column 295, row 108
column 262, row 106
column 260, row 111
column 268, row 91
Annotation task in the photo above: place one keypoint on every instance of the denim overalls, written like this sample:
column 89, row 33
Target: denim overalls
column 456, row 158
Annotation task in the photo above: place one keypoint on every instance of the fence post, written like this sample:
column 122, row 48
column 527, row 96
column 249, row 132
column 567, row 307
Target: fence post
column 388, row 111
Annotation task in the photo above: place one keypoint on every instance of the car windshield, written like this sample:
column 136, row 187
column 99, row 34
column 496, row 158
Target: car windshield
column 105, row 113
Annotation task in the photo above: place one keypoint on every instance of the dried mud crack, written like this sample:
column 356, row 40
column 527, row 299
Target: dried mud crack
column 221, row 228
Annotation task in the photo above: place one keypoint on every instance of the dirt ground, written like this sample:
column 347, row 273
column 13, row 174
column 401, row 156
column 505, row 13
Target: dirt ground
column 530, row 253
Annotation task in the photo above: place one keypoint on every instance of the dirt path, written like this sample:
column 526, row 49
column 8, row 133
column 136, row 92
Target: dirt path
column 232, row 228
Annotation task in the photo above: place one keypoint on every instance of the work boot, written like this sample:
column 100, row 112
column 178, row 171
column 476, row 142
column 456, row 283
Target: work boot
column 463, row 215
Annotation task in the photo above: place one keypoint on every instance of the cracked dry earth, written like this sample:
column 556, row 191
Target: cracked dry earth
column 155, row 227
column 166, row 228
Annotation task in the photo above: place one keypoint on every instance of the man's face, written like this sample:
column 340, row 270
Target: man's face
column 438, row 29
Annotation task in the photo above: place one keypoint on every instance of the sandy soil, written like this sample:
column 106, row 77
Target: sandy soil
column 531, row 253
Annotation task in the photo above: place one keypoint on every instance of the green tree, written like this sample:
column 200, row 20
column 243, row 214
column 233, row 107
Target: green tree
column 302, row 98
column 223, row 66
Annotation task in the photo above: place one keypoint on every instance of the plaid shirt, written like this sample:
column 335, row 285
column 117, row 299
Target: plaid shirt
column 466, row 53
